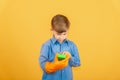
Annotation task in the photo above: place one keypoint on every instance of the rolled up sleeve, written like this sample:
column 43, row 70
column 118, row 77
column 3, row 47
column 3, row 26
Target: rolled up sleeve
column 75, row 58
column 43, row 56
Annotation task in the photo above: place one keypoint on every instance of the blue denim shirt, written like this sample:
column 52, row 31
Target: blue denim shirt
column 47, row 53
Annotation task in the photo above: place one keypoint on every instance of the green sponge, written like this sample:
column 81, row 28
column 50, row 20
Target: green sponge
column 61, row 56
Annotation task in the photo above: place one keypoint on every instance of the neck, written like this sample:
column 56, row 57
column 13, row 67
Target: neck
column 60, row 41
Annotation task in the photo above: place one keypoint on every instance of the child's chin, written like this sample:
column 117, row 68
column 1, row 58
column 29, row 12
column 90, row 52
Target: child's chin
column 61, row 40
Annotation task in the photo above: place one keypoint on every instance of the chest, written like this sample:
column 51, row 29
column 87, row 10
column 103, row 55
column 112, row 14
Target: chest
column 57, row 48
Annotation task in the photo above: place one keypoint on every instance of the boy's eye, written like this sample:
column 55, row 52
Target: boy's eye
column 58, row 34
column 64, row 34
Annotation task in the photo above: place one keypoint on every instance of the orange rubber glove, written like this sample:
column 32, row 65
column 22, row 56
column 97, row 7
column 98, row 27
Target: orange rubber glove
column 56, row 64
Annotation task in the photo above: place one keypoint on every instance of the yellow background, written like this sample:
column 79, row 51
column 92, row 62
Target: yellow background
column 95, row 28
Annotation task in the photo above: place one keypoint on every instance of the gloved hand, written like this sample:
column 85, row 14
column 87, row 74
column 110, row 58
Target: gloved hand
column 56, row 64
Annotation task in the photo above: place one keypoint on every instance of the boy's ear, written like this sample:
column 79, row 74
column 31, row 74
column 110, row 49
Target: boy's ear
column 51, row 29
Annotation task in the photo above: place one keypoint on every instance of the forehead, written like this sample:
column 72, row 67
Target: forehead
column 61, row 33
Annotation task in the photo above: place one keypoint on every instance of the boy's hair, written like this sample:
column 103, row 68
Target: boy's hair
column 60, row 23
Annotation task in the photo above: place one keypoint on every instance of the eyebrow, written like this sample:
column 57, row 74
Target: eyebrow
column 61, row 33
column 58, row 33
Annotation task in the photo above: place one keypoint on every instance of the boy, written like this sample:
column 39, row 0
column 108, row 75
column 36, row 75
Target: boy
column 54, row 69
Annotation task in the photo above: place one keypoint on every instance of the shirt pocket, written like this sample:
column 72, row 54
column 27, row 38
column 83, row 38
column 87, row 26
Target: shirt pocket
column 69, row 49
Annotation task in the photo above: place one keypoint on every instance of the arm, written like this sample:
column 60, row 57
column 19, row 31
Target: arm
column 43, row 56
column 47, row 66
column 75, row 58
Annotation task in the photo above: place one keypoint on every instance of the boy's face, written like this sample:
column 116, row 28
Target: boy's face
column 60, row 36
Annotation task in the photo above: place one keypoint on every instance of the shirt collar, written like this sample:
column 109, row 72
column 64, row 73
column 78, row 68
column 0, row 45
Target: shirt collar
column 54, row 40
